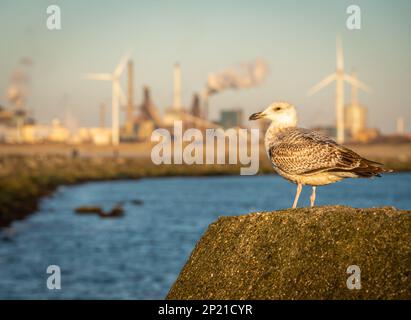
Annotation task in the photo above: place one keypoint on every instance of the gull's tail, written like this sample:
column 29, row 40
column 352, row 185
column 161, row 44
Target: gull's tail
column 368, row 169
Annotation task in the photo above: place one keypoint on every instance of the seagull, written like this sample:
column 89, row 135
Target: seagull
column 306, row 157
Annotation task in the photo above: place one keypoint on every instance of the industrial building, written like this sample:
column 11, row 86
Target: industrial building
column 231, row 118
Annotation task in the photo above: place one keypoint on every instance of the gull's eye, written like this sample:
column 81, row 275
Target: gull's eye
column 277, row 108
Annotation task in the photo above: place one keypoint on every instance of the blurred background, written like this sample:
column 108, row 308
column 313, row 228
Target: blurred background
column 84, row 85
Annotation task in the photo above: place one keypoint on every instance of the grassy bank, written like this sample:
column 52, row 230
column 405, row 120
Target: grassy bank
column 29, row 172
column 25, row 179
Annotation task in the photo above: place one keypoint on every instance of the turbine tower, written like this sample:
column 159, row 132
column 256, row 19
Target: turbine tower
column 118, row 96
column 354, row 90
column 339, row 77
column 177, row 88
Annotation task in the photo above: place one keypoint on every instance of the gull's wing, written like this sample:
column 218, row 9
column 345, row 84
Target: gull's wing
column 304, row 152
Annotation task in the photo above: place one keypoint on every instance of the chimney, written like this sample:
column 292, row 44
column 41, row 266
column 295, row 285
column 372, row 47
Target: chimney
column 130, row 102
column 147, row 98
column 177, row 88
column 195, row 108
column 145, row 106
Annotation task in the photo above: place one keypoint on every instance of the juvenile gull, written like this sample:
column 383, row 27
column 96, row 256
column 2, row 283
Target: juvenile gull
column 306, row 157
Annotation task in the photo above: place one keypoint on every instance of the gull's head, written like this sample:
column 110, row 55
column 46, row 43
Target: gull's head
column 282, row 114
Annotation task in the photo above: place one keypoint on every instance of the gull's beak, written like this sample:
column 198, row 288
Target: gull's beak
column 256, row 116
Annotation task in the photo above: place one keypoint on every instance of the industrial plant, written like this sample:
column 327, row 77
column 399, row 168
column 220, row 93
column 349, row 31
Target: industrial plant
column 142, row 118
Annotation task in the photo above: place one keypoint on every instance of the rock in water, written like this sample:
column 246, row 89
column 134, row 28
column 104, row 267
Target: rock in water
column 89, row 210
column 301, row 254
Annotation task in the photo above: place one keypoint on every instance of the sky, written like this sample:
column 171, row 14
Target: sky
column 296, row 38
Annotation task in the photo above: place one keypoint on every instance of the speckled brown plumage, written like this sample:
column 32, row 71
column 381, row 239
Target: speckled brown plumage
column 298, row 151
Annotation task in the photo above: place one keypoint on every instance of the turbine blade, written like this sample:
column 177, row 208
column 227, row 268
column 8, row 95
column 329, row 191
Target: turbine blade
column 323, row 83
column 357, row 83
column 99, row 76
column 120, row 67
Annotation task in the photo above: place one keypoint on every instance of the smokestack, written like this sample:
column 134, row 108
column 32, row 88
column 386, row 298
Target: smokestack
column 177, row 88
column 147, row 96
column 130, row 102
column 146, row 105
column 195, row 108
column 148, row 109
column 400, row 126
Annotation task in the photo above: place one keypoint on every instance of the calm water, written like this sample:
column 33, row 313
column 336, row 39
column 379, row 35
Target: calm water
column 139, row 255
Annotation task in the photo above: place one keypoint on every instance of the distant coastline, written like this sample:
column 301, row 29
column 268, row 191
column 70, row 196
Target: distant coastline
column 25, row 179
column 30, row 172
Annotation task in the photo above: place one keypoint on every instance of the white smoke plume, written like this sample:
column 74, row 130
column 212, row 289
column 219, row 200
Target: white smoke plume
column 244, row 75
column 19, row 82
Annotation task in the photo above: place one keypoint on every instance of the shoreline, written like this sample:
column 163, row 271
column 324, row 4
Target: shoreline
column 21, row 190
column 27, row 174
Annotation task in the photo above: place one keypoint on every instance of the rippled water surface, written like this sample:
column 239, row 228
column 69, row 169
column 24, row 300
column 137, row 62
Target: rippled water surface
column 140, row 255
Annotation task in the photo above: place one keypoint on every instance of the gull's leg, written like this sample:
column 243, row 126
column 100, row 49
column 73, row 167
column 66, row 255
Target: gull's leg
column 297, row 195
column 312, row 198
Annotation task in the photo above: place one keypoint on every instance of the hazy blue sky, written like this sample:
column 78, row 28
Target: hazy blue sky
column 297, row 38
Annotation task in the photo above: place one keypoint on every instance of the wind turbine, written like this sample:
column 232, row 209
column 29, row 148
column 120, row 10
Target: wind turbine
column 118, row 96
column 339, row 77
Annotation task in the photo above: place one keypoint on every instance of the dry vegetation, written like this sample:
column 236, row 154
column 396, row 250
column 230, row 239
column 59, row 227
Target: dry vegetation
column 25, row 179
column 30, row 172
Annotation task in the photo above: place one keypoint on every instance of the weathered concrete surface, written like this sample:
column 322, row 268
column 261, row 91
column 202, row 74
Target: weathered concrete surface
column 301, row 254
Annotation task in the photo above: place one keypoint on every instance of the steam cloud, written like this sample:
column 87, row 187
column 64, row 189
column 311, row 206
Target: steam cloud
column 244, row 75
column 19, row 80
